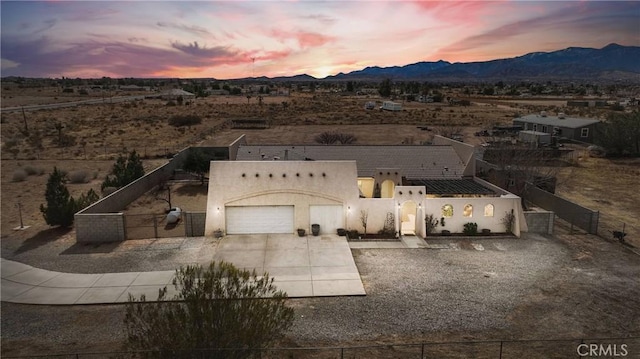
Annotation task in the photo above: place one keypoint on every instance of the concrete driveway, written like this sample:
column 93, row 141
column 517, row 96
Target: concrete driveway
column 301, row 266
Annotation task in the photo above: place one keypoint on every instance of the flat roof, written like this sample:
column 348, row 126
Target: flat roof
column 569, row 122
column 414, row 162
column 465, row 186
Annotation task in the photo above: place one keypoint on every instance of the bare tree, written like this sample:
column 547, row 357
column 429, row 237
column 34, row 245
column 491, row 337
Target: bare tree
column 364, row 218
column 516, row 167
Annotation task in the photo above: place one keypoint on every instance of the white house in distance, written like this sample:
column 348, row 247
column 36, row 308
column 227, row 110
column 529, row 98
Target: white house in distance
column 391, row 106
column 279, row 189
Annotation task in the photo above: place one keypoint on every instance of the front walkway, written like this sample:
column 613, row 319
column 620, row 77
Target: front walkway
column 302, row 266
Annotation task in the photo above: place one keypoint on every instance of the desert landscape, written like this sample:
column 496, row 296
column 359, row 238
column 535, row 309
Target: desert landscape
column 97, row 134
column 101, row 132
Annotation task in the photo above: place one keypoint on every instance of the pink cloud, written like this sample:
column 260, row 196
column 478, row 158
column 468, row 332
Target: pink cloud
column 457, row 11
column 305, row 39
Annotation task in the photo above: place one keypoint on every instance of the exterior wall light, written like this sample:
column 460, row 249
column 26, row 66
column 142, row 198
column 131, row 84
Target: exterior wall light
column 284, row 175
column 257, row 175
column 410, row 192
column 324, row 174
column 244, row 175
column 270, row 175
column 310, row 174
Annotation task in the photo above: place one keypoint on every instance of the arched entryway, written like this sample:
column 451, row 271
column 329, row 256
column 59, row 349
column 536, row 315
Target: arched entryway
column 408, row 217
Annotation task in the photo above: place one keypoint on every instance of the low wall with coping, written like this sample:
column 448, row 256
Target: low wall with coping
column 100, row 227
column 540, row 221
column 103, row 220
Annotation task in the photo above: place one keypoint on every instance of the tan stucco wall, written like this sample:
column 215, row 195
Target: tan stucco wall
column 456, row 223
column 302, row 186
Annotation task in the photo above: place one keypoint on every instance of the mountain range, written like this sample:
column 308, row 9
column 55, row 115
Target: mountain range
column 612, row 62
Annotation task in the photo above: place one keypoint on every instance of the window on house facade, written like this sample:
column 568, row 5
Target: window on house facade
column 488, row 210
column 544, row 128
column 468, row 211
column 584, row 132
column 447, row 210
column 535, row 127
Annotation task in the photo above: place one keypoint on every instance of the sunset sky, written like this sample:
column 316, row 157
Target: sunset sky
column 233, row 39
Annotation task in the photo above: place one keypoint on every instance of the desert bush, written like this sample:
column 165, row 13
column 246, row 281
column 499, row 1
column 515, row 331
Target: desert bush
column 331, row 137
column 184, row 120
column 33, row 171
column 219, row 306
column 19, row 175
column 79, row 176
column 470, row 229
column 431, row 223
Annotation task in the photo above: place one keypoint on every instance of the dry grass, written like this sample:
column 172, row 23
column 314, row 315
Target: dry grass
column 102, row 132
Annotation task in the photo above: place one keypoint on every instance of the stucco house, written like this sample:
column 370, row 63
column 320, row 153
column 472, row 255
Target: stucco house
column 562, row 126
column 279, row 189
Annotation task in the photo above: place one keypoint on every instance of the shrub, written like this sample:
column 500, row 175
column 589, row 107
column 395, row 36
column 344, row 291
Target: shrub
column 33, row 171
column 331, row 137
column 431, row 222
column 79, row 176
column 19, row 175
column 470, row 229
column 508, row 221
column 184, row 120
column 219, row 306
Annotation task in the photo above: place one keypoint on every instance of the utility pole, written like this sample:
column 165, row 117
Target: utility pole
column 24, row 117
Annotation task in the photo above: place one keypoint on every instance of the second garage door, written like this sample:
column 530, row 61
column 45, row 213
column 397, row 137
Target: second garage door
column 259, row 219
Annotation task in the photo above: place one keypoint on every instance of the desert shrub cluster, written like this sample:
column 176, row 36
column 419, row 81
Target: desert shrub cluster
column 79, row 176
column 184, row 120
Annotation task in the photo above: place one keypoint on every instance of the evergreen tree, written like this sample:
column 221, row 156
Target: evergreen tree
column 124, row 171
column 385, row 88
column 196, row 162
column 60, row 205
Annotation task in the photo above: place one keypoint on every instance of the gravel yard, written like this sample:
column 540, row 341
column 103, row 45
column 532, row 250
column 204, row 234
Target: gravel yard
column 536, row 287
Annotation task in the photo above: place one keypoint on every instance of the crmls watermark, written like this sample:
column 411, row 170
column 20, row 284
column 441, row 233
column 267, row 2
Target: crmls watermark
column 602, row 350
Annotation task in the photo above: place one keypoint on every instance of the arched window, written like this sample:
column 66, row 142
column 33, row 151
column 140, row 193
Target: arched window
column 488, row 210
column 447, row 210
column 468, row 211
column 386, row 190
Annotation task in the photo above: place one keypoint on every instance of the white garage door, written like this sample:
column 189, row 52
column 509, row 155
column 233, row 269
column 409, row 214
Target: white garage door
column 259, row 219
column 329, row 218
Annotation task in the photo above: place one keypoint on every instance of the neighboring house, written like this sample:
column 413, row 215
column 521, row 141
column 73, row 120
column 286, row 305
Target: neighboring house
column 278, row 189
column 572, row 128
column 391, row 106
column 175, row 93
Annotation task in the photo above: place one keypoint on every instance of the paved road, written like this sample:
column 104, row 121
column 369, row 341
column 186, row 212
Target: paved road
column 74, row 103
